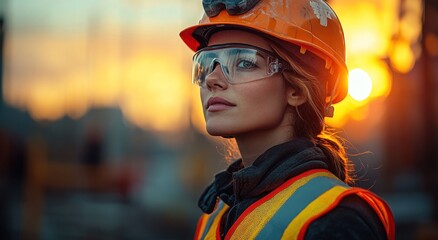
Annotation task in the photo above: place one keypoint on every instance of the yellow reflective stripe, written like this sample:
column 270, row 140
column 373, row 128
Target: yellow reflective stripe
column 211, row 234
column 314, row 208
column 254, row 221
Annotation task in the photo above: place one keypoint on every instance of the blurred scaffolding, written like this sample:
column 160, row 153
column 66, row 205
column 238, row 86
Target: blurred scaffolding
column 102, row 135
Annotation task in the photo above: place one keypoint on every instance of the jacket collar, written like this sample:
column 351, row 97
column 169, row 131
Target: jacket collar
column 268, row 171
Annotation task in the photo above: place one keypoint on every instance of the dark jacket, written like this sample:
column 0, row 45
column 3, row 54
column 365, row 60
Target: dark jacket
column 240, row 187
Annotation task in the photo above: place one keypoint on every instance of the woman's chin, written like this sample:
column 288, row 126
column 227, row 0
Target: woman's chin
column 220, row 132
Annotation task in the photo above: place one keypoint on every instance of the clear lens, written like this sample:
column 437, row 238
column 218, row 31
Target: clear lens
column 239, row 63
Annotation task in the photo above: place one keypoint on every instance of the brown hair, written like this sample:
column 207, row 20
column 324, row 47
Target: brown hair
column 307, row 74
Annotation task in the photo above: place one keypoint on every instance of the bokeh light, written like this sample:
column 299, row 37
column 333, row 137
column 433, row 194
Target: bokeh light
column 402, row 56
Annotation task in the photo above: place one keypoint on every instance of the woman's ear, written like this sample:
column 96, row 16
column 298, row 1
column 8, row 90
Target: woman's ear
column 295, row 96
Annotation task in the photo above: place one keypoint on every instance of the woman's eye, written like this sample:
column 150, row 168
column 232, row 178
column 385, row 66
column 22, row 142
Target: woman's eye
column 245, row 64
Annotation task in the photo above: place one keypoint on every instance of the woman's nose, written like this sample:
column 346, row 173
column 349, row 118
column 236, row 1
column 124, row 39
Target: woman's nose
column 216, row 78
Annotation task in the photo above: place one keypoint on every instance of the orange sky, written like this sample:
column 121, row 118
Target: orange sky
column 66, row 57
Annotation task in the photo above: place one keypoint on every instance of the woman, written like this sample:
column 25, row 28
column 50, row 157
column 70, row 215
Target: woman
column 269, row 72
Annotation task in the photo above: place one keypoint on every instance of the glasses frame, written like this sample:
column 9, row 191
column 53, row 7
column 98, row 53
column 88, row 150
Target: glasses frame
column 274, row 67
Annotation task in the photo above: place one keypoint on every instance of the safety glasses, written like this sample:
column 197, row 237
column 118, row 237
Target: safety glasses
column 239, row 63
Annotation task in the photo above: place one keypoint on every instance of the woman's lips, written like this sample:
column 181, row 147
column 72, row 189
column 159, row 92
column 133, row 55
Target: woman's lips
column 215, row 104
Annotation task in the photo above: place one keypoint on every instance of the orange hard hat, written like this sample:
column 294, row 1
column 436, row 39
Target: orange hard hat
column 310, row 24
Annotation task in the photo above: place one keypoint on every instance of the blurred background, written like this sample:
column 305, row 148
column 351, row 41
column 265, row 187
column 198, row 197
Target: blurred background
column 101, row 132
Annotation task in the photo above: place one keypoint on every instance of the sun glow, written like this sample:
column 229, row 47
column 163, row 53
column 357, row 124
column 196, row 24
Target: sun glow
column 359, row 84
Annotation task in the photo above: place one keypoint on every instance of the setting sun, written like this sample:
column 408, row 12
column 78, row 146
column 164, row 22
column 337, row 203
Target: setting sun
column 359, row 85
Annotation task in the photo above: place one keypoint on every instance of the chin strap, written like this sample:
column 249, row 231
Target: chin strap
column 329, row 110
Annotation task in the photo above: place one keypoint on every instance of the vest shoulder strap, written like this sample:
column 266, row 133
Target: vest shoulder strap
column 289, row 203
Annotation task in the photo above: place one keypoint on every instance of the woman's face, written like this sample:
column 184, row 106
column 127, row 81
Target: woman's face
column 234, row 109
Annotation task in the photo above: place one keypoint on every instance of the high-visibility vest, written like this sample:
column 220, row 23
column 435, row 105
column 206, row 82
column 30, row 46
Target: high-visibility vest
column 287, row 212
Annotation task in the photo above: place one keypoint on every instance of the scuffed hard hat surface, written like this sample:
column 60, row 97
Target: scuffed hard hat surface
column 308, row 23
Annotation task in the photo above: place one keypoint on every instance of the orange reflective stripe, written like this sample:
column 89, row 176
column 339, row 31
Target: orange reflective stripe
column 325, row 201
column 207, row 223
column 201, row 225
column 380, row 208
column 213, row 229
column 383, row 211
